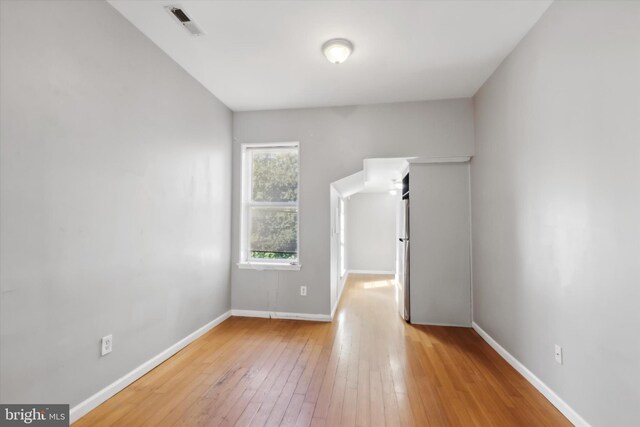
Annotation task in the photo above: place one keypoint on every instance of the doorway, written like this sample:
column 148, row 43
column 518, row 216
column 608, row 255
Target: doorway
column 366, row 209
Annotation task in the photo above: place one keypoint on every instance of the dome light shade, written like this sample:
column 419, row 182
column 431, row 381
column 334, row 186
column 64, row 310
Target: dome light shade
column 337, row 50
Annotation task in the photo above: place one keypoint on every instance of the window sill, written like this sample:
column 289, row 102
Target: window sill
column 268, row 266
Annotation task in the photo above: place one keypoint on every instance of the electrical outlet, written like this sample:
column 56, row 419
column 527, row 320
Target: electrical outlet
column 107, row 345
column 558, row 354
column 303, row 291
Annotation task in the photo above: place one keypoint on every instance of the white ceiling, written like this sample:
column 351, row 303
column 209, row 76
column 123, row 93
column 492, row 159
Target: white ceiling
column 266, row 54
column 383, row 174
column 376, row 176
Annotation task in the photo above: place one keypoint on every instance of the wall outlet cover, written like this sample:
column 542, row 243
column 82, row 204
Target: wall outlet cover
column 107, row 345
column 303, row 291
column 558, row 354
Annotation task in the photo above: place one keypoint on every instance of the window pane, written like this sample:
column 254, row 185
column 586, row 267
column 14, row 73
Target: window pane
column 274, row 233
column 274, row 175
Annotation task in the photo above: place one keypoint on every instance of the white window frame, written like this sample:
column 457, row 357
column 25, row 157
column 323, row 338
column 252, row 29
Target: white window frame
column 246, row 204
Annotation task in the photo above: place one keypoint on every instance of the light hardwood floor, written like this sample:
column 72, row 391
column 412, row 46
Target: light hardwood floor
column 367, row 367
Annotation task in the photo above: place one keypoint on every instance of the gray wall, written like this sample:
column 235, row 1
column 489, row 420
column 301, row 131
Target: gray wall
column 556, row 206
column 440, row 244
column 115, row 200
column 371, row 231
column 333, row 144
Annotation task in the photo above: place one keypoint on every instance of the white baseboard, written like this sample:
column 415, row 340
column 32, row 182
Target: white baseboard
column 450, row 325
column 281, row 315
column 382, row 272
column 551, row 396
column 92, row 402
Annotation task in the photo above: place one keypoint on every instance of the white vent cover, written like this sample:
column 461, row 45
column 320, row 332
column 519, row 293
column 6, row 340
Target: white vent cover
column 184, row 20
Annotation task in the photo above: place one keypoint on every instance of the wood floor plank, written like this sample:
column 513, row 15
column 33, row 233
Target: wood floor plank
column 367, row 368
column 305, row 415
column 293, row 410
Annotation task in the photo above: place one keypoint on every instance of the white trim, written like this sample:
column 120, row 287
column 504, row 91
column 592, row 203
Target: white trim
column 271, row 144
column 384, row 272
column 335, row 307
column 456, row 159
column 246, row 203
column 547, row 392
column 450, row 325
column 281, row 315
column 250, row 313
column 343, row 281
column 267, row 266
column 103, row 395
column 470, row 200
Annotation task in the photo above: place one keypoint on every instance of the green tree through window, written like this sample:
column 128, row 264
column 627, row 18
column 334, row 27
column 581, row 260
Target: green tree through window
column 274, row 176
column 273, row 203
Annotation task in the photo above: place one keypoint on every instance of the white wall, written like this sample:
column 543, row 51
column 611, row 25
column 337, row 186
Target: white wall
column 440, row 244
column 371, row 232
column 556, row 206
column 333, row 144
column 114, row 200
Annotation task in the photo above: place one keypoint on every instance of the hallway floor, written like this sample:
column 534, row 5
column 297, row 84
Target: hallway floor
column 367, row 367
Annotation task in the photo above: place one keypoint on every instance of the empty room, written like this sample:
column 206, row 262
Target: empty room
column 320, row 213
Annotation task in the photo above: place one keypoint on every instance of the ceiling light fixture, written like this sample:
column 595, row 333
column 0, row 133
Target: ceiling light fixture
column 337, row 50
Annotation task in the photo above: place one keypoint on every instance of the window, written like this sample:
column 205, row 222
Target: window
column 270, row 205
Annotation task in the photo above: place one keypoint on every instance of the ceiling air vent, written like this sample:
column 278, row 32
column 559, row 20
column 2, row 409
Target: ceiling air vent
column 185, row 21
